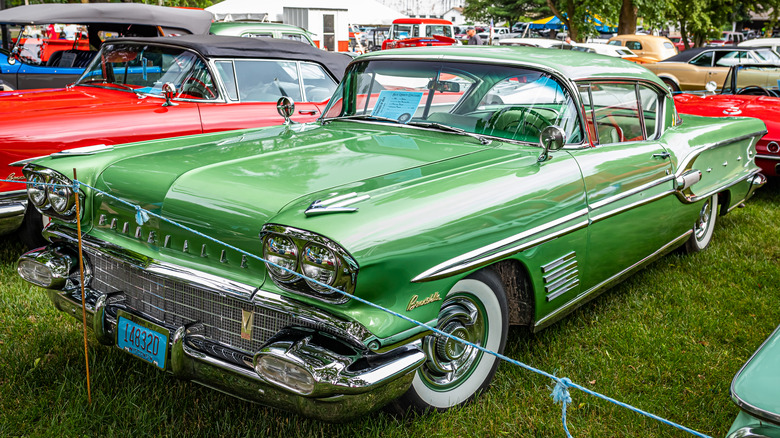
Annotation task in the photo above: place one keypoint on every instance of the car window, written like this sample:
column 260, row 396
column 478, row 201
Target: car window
column 668, row 45
column 415, row 31
column 615, row 43
column 650, row 100
column 703, row 60
column 228, row 75
column 501, row 101
column 267, row 80
column 727, row 59
column 295, row 37
column 401, row 31
column 257, row 35
column 634, row 45
column 317, row 85
column 615, row 113
column 441, row 29
column 766, row 56
column 143, row 68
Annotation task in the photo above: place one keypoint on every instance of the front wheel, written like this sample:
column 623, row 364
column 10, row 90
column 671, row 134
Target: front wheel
column 475, row 310
column 704, row 226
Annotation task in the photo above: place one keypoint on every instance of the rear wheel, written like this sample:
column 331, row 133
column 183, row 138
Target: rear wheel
column 704, row 226
column 475, row 310
column 671, row 85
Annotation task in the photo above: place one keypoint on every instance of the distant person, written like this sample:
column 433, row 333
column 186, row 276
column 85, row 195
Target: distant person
column 474, row 39
column 567, row 40
column 70, row 31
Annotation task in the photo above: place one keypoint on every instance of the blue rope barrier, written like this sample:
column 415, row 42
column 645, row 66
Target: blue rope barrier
column 560, row 392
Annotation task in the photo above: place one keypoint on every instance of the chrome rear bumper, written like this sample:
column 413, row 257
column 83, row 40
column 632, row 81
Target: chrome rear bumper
column 347, row 380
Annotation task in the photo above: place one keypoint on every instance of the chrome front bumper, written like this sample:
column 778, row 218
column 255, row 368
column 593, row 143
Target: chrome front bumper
column 348, row 381
column 12, row 208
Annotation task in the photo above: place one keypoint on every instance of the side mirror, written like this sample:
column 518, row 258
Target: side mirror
column 552, row 138
column 14, row 56
column 286, row 108
column 711, row 86
column 169, row 92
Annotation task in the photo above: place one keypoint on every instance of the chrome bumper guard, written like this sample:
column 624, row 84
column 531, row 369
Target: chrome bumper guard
column 12, row 208
column 756, row 181
column 346, row 382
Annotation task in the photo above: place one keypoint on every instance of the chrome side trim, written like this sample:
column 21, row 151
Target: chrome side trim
column 745, row 406
column 628, row 193
column 768, row 157
column 683, row 166
column 692, row 199
column 632, row 206
column 503, row 248
column 596, row 290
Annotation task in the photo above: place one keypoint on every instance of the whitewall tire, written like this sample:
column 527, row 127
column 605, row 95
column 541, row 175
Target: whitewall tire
column 704, row 226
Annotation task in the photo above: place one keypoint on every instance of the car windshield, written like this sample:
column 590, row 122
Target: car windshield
column 508, row 102
column 143, row 68
column 753, row 79
column 45, row 44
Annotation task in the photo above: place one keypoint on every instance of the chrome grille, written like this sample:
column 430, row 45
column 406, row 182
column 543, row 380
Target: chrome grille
column 176, row 303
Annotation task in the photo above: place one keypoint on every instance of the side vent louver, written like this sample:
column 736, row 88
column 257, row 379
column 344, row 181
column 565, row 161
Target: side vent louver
column 560, row 276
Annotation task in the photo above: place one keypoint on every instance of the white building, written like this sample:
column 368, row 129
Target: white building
column 423, row 8
column 455, row 15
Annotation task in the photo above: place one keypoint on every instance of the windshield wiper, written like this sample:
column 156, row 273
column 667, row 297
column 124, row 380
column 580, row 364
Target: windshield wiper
column 99, row 82
column 448, row 128
column 363, row 117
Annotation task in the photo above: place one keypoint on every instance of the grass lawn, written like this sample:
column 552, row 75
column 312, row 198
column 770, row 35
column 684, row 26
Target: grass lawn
column 668, row 340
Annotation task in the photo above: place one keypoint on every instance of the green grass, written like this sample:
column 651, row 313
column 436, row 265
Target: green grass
column 668, row 340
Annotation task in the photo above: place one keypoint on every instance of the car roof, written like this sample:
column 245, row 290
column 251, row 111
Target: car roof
column 421, row 21
column 256, row 25
column 694, row 51
column 219, row 46
column 191, row 20
column 572, row 64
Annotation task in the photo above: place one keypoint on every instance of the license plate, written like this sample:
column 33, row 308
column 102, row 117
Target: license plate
column 142, row 339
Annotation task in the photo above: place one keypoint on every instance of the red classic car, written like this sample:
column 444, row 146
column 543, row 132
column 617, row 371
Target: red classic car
column 750, row 90
column 417, row 32
column 49, row 45
column 145, row 88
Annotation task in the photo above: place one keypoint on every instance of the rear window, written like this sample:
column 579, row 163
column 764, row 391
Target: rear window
column 634, row 45
column 668, row 45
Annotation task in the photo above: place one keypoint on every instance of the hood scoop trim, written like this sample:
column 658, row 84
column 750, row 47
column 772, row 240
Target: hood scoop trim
column 337, row 204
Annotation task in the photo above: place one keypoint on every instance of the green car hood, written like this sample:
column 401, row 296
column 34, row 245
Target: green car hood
column 232, row 184
column 756, row 386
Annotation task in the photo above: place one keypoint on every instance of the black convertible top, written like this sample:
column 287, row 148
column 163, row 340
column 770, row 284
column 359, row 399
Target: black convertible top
column 217, row 46
column 689, row 54
column 188, row 20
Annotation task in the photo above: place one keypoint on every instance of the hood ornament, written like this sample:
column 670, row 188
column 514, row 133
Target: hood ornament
column 732, row 111
column 336, row 204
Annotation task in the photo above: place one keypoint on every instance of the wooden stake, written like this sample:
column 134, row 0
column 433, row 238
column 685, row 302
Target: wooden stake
column 81, row 282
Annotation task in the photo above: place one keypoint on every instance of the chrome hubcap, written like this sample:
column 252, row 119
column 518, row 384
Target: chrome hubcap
column 449, row 361
column 702, row 223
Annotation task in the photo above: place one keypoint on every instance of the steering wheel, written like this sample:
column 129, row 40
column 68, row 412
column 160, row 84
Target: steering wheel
column 530, row 124
column 755, row 90
column 198, row 86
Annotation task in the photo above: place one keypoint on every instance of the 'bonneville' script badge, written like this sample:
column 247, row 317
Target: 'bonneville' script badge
column 413, row 303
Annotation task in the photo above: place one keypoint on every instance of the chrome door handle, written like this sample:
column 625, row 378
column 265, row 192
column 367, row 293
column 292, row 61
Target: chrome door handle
column 662, row 155
column 308, row 112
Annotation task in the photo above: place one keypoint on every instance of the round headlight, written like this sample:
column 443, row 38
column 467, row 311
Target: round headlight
column 36, row 190
column 320, row 264
column 60, row 195
column 281, row 251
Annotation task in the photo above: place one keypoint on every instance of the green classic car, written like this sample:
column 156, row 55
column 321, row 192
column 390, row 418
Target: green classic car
column 469, row 188
column 755, row 390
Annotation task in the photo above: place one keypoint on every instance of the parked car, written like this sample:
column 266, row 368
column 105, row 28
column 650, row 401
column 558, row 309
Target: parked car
column 418, row 32
column 468, row 188
column 656, row 47
column 754, row 389
column 678, row 42
column 545, row 43
column 499, row 33
column 254, row 29
column 612, row 50
column 772, row 43
column 33, row 58
column 750, row 90
column 728, row 38
column 694, row 68
column 215, row 83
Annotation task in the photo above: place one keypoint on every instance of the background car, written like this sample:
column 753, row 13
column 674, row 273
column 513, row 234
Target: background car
column 475, row 189
column 754, row 389
column 649, row 46
column 216, row 83
column 34, row 58
column 415, row 32
column 772, row 43
column 678, row 42
column 612, row 50
column 250, row 29
column 728, row 38
column 694, row 68
column 545, row 43
column 750, row 90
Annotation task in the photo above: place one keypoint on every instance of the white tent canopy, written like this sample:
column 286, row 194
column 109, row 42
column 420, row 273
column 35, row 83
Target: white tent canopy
column 362, row 12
